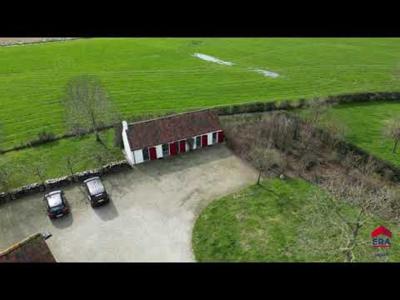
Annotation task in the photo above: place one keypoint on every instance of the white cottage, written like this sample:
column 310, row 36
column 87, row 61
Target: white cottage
column 169, row 136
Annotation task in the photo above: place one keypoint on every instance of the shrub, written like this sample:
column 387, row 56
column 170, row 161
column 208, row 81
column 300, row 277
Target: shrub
column 42, row 138
column 45, row 136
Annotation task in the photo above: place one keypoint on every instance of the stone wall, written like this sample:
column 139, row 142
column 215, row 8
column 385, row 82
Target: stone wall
column 62, row 181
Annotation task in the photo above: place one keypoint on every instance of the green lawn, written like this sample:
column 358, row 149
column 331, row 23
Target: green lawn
column 52, row 158
column 279, row 221
column 154, row 75
column 364, row 125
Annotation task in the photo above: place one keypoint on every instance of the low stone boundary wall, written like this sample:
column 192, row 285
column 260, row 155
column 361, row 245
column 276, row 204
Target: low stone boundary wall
column 34, row 188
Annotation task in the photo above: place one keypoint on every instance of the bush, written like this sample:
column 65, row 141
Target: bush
column 42, row 138
column 45, row 136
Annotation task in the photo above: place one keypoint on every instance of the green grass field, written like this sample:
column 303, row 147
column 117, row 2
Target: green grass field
column 153, row 75
column 278, row 222
column 156, row 75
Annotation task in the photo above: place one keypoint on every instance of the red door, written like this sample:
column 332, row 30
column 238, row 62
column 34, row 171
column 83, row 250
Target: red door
column 173, row 149
column 182, row 146
column 153, row 153
column 220, row 137
column 204, row 140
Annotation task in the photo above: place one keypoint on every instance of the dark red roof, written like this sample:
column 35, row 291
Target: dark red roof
column 32, row 249
column 172, row 128
column 381, row 230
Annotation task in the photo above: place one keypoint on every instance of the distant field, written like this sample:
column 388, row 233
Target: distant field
column 152, row 75
column 278, row 222
column 11, row 41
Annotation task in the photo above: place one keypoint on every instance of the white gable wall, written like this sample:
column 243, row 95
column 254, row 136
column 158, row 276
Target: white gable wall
column 127, row 148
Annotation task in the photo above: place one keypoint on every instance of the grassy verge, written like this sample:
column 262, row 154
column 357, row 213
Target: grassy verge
column 51, row 158
column 279, row 221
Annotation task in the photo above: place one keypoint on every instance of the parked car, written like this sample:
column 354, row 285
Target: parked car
column 57, row 206
column 96, row 191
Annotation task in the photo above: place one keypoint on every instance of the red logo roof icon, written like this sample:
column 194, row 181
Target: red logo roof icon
column 381, row 230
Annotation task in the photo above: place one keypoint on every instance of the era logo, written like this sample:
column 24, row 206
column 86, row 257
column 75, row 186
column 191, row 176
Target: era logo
column 381, row 237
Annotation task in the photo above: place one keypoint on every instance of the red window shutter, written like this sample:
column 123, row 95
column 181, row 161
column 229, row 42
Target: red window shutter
column 173, row 149
column 204, row 140
column 221, row 137
column 182, row 146
column 153, row 153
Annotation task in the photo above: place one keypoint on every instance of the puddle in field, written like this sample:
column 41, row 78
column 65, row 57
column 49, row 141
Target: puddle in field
column 266, row 73
column 212, row 59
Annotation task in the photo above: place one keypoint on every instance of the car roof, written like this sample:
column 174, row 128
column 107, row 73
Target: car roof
column 94, row 185
column 54, row 198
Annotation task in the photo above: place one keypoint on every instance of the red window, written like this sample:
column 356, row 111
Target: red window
column 153, row 153
column 182, row 146
column 220, row 137
column 173, row 149
column 204, row 140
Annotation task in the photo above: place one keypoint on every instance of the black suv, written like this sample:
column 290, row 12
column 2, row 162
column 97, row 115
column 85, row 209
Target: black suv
column 56, row 204
column 96, row 191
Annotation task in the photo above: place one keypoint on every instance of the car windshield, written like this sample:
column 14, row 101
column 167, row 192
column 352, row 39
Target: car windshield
column 95, row 187
column 56, row 208
column 54, row 200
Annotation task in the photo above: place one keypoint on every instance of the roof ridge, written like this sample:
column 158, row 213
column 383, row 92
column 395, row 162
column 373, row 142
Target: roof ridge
column 169, row 116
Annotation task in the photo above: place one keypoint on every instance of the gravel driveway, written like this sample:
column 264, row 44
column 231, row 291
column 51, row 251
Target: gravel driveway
column 149, row 219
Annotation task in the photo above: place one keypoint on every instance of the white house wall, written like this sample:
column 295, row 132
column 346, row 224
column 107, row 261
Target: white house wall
column 138, row 154
column 187, row 146
column 136, row 157
column 194, row 143
column 209, row 138
column 159, row 151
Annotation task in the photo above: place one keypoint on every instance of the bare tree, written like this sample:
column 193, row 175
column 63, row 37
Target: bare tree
column 392, row 131
column 265, row 159
column 316, row 111
column 87, row 105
